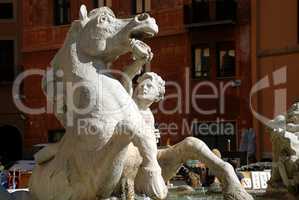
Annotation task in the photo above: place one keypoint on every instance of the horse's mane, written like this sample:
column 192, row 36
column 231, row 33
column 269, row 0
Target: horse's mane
column 69, row 59
column 71, row 65
column 74, row 66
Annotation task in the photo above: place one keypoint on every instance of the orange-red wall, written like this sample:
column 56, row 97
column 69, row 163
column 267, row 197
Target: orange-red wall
column 274, row 46
column 172, row 49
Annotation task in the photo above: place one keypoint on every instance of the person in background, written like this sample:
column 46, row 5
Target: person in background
column 248, row 144
column 251, row 146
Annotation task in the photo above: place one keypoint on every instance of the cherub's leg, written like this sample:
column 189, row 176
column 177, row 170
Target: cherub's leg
column 192, row 148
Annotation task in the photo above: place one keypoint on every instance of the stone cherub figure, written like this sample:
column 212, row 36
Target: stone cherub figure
column 88, row 166
column 285, row 146
column 150, row 89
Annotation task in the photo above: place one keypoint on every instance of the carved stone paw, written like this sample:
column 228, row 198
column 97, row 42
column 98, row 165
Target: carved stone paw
column 149, row 181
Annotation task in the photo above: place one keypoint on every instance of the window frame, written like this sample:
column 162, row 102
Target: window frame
column 227, row 11
column 145, row 6
column 225, row 46
column 56, row 11
column 107, row 3
column 14, row 17
column 14, row 59
column 218, row 136
column 194, row 71
column 209, row 11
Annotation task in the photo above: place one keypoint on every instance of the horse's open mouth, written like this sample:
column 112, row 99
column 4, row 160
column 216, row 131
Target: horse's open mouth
column 141, row 35
column 142, row 27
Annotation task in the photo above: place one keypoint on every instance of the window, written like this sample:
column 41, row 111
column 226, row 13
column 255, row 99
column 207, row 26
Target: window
column 62, row 12
column 6, row 60
column 226, row 9
column 226, row 60
column 210, row 10
column 141, row 6
column 6, row 10
column 101, row 3
column 200, row 10
column 201, row 60
column 217, row 134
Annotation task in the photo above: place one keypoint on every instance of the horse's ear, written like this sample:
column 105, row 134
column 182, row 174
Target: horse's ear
column 83, row 15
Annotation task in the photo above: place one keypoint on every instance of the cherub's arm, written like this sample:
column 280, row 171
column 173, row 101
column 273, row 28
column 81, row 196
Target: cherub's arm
column 129, row 73
column 141, row 54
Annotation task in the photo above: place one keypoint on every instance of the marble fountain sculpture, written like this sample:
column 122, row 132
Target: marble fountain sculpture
column 123, row 153
column 285, row 146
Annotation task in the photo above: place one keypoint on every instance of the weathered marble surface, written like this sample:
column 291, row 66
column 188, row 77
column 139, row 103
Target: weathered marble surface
column 89, row 161
column 86, row 166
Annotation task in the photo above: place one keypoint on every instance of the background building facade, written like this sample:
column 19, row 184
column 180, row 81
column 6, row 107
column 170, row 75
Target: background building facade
column 275, row 54
column 204, row 46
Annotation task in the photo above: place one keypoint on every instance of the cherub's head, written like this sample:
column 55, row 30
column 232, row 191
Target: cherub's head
column 150, row 88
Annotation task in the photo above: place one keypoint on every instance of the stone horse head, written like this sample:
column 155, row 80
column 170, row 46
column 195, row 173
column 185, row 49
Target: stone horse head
column 99, row 37
column 93, row 42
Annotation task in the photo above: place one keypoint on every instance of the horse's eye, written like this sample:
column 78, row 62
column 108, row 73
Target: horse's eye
column 103, row 19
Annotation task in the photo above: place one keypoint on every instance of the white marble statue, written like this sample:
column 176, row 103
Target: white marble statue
column 89, row 161
column 285, row 146
column 89, row 166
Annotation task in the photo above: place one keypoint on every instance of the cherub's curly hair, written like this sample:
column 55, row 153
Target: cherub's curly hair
column 157, row 80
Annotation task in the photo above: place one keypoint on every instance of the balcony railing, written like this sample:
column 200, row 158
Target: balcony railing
column 210, row 12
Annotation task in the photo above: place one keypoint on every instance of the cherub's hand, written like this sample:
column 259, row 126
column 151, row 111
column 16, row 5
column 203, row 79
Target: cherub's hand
column 141, row 51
